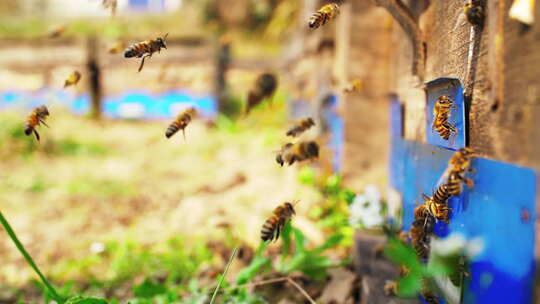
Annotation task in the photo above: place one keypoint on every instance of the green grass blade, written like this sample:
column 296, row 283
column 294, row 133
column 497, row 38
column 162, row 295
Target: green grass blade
column 231, row 259
column 29, row 259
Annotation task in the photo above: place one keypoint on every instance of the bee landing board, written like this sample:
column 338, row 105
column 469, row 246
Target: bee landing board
column 452, row 88
column 499, row 210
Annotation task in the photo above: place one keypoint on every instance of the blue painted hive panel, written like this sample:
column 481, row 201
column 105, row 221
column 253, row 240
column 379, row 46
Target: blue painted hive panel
column 499, row 209
column 453, row 89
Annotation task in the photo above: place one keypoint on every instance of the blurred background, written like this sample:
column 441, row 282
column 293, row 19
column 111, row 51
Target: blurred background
column 108, row 207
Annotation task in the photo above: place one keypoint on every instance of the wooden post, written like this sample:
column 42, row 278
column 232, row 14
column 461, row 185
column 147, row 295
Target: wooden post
column 94, row 77
column 223, row 59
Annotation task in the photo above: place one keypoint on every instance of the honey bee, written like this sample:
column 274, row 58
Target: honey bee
column 264, row 87
column 474, row 12
column 117, row 47
column 419, row 233
column 300, row 151
column 279, row 156
column 461, row 160
column 455, row 179
column 38, row 116
column 355, row 86
column 300, row 127
column 441, row 113
column 274, row 224
column 323, row 15
column 145, row 48
column 181, row 122
column 57, row 32
column 437, row 205
column 72, row 79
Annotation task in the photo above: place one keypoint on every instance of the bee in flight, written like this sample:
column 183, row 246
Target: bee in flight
column 323, row 15
column 274, row 224
column 57, row 32
column 300, row 127
column 117, row 47
column 354, row 86
column 181, row 122
column 264, row 87
column 474, row 12
column 37, row 117
column 72, row 79
column 300, row 151
column 441, row 113
column 145, row 49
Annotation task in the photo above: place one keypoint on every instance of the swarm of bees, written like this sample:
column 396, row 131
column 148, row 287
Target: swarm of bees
column 323, row 15
column 72, row 79
column 474, row 12
column 300, row 127
column 274, row 224
column 181, row 122
column 36, row 118
column 264, row 87
column 145, row 49
column 441, row 113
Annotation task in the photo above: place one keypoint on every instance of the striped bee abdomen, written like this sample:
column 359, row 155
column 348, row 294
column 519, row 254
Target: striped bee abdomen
column 173, row 128
column 441, row 195
column 270, row 229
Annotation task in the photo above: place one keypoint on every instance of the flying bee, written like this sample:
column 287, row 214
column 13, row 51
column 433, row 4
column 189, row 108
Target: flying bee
column 323, row 15
column 37, row 117
column 117, row 47
column 57, row 32
column 474, row 12
column 300, row 127
column 264, row 87
column 441, row 113
column 279, row 156
column 181, row 122
column 355, row 86
column 72, row 79
column 274, row 224
column 298, row 152
column 145, row 49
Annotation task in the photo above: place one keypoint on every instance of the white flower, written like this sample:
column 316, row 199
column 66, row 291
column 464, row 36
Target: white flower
column 97, row 247
column 457, row 243
column 366, row 208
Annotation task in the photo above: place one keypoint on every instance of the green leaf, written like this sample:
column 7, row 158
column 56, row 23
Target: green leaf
column 403, row 254
column 149, row 289
column 330, row 242
column 299, row 239
column 249, row 272
column 81, row 300
column 347, row 196
column 286, row 239
column 307, row 175
column 409, row 286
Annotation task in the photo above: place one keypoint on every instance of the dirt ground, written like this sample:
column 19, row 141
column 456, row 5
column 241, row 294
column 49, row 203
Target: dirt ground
column 90, row 183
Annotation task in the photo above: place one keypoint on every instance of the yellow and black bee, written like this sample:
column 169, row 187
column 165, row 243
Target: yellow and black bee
column 145, row 48
column 117, row 47
column 274, row 224
column 300, row 151
column 37, row 117
column 441, row 113
column 354, row 86
column 474, row 11
column 461, row 160
column 264, row 87
column 438, row 203
column 72, row 79
column 300, row 127
column 181, row 122
column 323, row 15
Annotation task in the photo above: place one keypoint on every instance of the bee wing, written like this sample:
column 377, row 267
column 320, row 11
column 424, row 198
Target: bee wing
column 43, row 122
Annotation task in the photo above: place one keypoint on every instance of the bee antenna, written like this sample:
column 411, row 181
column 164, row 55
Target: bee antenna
column 164, row 37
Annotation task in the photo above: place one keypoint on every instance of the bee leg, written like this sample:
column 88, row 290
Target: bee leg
column 184, row 134
column 469, row 182
column 278, row 228
column 36, row 134
column 43, row 122
column 142, row 62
